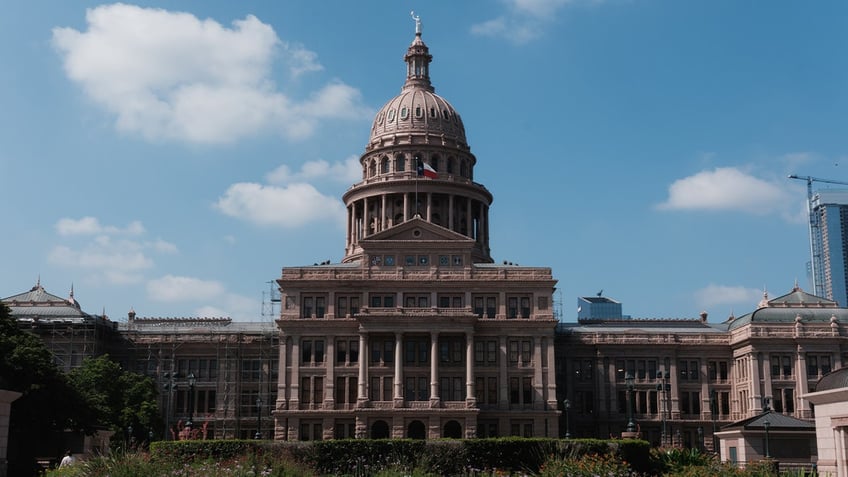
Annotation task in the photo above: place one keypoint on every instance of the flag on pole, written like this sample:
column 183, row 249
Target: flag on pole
column 426, row 170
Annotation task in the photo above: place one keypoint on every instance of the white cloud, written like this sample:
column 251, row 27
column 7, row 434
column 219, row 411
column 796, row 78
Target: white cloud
column 348, row 171
column 728, row 188
column 287, row 206
column 118, row 262
column 92, row 226
column 108, row 253
column 211, row 297
column 172, row 288
column 170, row 75
column 716, row 295
column 524, row 20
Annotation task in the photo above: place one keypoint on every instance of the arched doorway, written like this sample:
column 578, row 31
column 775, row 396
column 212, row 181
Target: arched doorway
column 452, row 430
column 416, row 430
column 380, row 430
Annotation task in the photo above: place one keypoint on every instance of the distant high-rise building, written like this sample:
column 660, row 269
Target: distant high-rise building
column 830, row 263
column 598, row 308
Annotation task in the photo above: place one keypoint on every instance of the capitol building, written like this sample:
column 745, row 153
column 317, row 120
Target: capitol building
column 417, row 333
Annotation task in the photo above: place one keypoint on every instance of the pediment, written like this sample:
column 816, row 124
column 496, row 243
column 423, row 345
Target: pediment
column 417, row 230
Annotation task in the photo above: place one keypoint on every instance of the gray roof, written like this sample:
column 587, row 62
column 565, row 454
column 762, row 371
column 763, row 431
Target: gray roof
column 795, row 305
column 39, row 305
column 833, row 380
column 776, row 421
column 637, row 325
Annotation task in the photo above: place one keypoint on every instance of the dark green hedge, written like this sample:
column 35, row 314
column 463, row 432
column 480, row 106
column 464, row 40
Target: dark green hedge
column 443, row 457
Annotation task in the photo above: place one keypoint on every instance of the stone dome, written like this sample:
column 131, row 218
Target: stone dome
column 418, row 110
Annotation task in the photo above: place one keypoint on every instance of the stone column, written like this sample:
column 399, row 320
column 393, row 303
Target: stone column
column 294, row 385
column 756, row 402
column 434, row 369
column 802, row 409
column 450, row 212
column 6, row 399
column 469, row 220
column 551, row 377
column 675, row 391
column 398, row 377
column 405, row 206
column 470, row 395
column 363, row 369
column 536, row 362
column 429, row 206
column 767, row 392
column 383, row 213
column 281, row 373
column 366, row 218
column 330, row 373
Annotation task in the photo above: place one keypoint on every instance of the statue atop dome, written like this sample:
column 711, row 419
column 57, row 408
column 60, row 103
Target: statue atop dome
column 417, row 22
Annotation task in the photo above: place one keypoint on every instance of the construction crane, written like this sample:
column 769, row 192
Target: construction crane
column 816, row 259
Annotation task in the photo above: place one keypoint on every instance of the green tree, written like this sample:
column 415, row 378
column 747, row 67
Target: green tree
column 119, row 399
column 48, row 405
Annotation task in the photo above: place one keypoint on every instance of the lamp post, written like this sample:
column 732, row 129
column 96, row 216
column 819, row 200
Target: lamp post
column 628, row 382
column 191, row 382
column 663, row 387
column 567, row 406
column 713, row 413
column 170, row 386
column 130, row 435
column 767, row 425
column 700, row 438
column 258, row 418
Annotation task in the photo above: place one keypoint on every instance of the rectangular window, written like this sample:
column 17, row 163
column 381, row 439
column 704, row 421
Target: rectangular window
column 347, row 352
column 485, row 306
column 417, row 352
column 382, row 351
column 417, row 388
column 416, row 300
column 382, row 301
column 450, row 301
column 781, row 366
column 311, row 351
column 251, row 369
column 451, row 388
column 486, row 352
column 347, row 306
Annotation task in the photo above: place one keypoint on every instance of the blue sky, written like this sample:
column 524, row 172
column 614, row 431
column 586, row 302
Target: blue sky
column 171, row 157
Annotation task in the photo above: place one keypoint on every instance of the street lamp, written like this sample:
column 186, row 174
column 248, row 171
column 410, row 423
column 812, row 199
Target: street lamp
column 663, row 387
column 700, row 438
column 767, row 425
column 628, row 381
column 170, row 386
column 191, row 382
column 130, row 435
column 713, row 413
column 258, row 418
column 567, row 406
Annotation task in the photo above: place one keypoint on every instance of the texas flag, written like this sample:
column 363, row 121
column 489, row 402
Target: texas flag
column 426, row 170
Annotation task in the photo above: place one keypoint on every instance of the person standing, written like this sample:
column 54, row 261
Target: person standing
column 68, row 460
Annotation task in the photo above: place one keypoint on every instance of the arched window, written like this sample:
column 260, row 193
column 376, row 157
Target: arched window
column 384, row 165
column 463, row 168
column 416, row 430
column 400, row 163
column 372, row 169
column 436, row 162
column 450, row 165
column 452, row 430
column 380, row 430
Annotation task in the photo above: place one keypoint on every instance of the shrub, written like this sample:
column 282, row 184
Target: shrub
column 591, row 465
